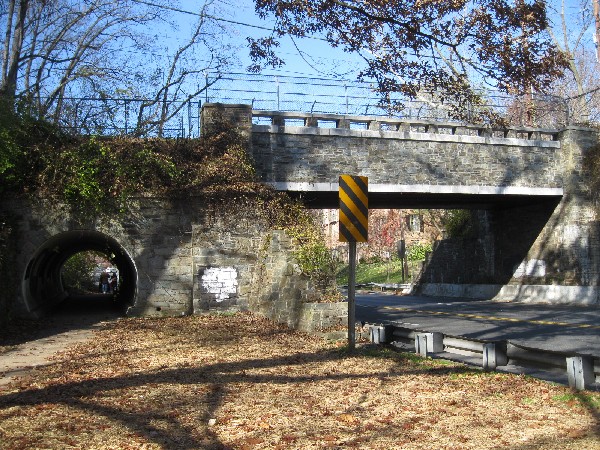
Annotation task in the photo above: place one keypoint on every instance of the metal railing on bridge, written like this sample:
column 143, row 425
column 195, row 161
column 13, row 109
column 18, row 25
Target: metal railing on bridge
column 181, row 118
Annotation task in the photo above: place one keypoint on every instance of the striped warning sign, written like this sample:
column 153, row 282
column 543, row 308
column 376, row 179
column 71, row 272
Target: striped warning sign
column 354, row 208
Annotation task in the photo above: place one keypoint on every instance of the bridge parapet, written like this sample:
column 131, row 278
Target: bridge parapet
column 410, row 163
column 377, row 123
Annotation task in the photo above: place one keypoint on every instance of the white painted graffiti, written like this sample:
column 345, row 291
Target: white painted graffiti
column 221, row 281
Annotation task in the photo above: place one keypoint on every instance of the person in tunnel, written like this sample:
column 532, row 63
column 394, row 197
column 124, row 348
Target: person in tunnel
column 112, row 282
column 104, row 281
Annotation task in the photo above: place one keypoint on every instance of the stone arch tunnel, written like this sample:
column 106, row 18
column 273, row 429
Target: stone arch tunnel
column 175, row 257
column 42, row 286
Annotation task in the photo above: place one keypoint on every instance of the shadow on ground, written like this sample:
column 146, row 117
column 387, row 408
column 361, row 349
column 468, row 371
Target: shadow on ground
column 75, row 313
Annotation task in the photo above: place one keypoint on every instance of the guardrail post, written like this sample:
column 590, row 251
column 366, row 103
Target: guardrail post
column 421, row 344
column 429, row 343
column 381, row 334
column 494, row 355
column 435, row 342
column 580, row 372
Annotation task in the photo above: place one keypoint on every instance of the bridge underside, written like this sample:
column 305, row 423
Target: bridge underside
column 383, row 196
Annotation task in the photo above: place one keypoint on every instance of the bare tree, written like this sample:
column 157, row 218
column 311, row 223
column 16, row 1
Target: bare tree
column 58, row 51
column 571, row 24
column 169, row 97
column 15, row 18
column 575, row 97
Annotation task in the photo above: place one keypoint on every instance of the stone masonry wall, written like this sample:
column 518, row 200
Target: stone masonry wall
column 189, row 258
column 552, row 244
column 568, row 247
column 544, row 239
column 320, row 155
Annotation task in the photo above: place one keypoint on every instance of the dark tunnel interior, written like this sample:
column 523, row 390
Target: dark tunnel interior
column 43, row 287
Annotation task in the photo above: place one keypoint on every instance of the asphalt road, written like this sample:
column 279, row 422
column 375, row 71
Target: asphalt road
column 547, row 327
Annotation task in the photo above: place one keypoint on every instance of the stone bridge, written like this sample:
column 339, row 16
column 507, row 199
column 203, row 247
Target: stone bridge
column 408, row 163
column 536, row 228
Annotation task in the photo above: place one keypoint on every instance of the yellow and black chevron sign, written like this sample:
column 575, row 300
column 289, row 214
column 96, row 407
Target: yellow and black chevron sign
column 354, row 208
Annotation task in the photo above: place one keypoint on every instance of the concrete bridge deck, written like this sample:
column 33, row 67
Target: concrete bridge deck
column 387, row 195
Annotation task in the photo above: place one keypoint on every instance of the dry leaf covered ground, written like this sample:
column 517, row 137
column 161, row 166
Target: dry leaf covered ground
column 242, row 382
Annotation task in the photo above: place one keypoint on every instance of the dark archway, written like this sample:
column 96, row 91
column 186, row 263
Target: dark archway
column 42, row 286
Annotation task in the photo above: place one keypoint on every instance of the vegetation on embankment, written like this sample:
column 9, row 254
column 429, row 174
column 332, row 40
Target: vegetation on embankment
column 373, row 272
column 379, row 270
column 97, row 176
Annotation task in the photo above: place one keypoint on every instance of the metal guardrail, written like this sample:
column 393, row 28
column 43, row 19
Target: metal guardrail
column 578, row 371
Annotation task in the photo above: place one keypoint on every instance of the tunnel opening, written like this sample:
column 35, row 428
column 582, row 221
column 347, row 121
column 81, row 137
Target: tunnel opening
column 46, row 285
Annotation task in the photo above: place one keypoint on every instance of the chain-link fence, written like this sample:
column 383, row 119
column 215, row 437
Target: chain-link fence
column 145, row 118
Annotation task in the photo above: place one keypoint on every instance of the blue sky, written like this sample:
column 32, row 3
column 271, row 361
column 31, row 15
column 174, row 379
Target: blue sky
column 309, row 57
column 306, row 56
column 314, row 57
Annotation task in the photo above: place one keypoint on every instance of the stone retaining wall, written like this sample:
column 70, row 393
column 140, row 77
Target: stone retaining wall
column 322, row 316
column 186, row 258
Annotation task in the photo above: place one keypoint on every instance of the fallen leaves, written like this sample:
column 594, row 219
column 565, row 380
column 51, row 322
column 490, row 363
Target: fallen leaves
column 347, row 419
column 242, row 382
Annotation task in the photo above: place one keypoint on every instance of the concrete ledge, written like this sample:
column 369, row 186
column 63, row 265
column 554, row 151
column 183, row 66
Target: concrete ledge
column 387, row 188
column 548, row 294
column 415, row 129
column 402, row 135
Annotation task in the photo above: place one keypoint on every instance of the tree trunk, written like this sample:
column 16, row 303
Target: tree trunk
column 6, row 52
column 9, row 83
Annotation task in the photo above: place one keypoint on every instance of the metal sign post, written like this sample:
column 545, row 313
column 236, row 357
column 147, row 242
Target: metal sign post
column 351, row 295
column 354, row 227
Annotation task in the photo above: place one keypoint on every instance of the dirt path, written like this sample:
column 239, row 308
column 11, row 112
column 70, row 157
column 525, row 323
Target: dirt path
column 73, row 323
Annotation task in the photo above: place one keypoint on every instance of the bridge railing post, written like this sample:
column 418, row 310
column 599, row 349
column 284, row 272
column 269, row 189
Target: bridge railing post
column 374, row 125
column 311, row 121
column 277, row 121
column 343, row 123
column 217, row 116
